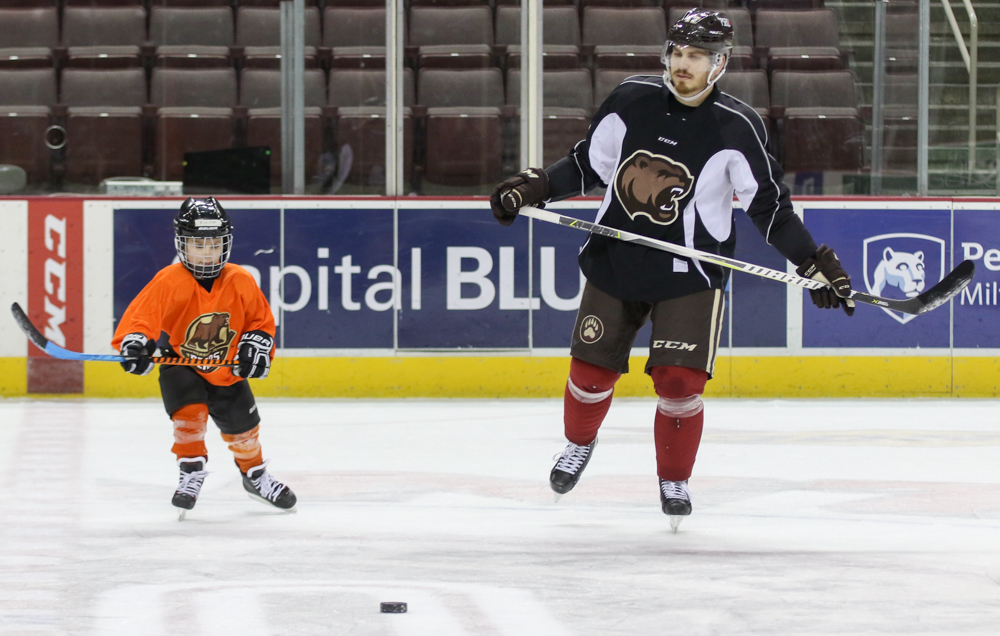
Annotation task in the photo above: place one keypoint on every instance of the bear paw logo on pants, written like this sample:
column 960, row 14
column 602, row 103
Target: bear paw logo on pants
column 591, row 329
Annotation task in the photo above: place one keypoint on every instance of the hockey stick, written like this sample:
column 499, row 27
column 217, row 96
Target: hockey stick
column 936, row 296
column 54, row 350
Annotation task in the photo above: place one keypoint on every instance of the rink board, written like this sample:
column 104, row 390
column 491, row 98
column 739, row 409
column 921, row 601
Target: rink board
column 380, row 297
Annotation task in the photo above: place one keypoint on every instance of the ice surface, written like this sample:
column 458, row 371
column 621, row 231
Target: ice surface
column 810, row 517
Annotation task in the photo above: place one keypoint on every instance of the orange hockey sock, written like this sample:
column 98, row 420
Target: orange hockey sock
column 246, row 448
column 189, row 431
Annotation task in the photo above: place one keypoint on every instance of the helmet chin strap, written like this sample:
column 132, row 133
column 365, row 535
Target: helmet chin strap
column 711, row 82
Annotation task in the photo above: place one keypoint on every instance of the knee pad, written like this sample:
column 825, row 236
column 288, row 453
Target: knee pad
column 680, row 390
column 189, row 423
column 589, row 383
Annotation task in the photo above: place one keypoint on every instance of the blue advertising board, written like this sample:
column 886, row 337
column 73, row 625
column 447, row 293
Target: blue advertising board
column 977, row 238
column 895, row 253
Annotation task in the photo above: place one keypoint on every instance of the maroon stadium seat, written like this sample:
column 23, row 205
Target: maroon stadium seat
column 452, row 37
column 355, row 36
column 104, row 37
column 464, row 128
column 561, row 39
column 820, row 124
column 194, row 113
column 258, row 31
column 26, row 97
column 630, row 38
column 798, row 40
column 359, row 95
column 28, row 36
column 192, row 37
column 567, row 99
column 260, row 93
column 104, row 123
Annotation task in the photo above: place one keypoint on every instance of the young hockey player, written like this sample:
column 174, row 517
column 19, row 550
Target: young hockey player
column 671, row 151
column 208, row 308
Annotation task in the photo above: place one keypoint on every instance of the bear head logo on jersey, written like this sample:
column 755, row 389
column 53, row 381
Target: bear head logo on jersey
column 652, row 186
column 208, row 336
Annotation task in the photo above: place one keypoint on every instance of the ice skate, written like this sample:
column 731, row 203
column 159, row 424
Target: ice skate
column 569, row 467
column 193, row 475
column 263, row 487
column 675, row 501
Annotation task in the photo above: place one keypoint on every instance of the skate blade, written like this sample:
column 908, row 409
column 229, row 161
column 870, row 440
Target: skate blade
column 181, row 512
column 557, row 497
column 267, row 503
column 675, row 522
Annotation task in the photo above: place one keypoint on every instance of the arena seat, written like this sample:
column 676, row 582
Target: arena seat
column 798, row 40
column 630, row 38
column 260, row 93
column 451, row 37
column 750, row 87
column 192, row 37
column 26, row 98
column 464, row 140
column 607, row 80
column 561, row 37
column 258, row 32
column 566, row 103
column 104, row 37
column 820, row 127
column 104, row 123
column 355, row 36
column 28, row 37
column 359, row 123
column 194, row 112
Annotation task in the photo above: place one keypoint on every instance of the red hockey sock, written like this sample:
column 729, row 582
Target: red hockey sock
column 189, row 431
column 679, row 420
column 586, row 400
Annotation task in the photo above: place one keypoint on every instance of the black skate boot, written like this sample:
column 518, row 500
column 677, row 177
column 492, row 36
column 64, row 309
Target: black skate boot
column 193, row 475
column 675, row 501
column 260, row 485
column 570, row 466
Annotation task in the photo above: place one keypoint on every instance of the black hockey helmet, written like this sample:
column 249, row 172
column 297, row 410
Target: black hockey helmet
column 203, row 224
column 704, row 29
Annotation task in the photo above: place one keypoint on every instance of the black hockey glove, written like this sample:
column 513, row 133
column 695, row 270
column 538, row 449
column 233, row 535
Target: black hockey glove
column 530, row 187
column 825, row 267
column 254, row 355
column 138, row 348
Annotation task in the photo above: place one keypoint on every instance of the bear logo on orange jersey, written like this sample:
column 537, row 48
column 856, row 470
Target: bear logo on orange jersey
column 208, row 336
column 652, row 186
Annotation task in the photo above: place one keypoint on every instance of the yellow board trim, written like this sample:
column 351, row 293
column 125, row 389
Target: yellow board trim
column 545, row 377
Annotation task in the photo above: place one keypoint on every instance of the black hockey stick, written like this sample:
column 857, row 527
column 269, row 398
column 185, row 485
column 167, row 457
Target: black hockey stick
column 936, row 296
column 54, row 350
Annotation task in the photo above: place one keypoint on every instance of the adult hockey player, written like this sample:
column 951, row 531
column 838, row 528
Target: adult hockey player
column 672, row 152
column 207, row 307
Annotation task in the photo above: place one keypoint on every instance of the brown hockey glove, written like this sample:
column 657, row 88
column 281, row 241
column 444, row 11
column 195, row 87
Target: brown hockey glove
column 530, row 187
column 825, row 267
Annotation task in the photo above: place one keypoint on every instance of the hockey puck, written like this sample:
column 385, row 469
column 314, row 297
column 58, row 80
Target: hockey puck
column 392, row 608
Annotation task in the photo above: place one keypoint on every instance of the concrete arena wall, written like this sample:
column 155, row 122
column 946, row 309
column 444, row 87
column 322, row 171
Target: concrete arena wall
column 404, row 338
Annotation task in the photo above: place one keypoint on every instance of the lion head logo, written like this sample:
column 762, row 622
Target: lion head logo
column 208, row 336
column 902, row 270
column 653, row 186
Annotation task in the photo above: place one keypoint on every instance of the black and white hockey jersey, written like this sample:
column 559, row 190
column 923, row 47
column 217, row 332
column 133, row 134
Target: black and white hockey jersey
column 671, row 172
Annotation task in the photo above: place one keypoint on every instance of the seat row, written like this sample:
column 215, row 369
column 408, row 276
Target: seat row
column 456, row 37
column 460, row 126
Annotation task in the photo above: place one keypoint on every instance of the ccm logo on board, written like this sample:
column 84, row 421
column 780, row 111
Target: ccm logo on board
column 55, row 278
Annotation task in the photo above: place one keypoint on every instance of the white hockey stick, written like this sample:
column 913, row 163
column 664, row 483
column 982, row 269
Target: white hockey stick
column 936, row 296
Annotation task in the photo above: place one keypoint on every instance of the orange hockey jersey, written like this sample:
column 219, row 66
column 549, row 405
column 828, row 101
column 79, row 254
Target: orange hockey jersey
column 199, row 324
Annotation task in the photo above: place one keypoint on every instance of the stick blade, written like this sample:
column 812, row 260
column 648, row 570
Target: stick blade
column 949, row 287
column 33, row 334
